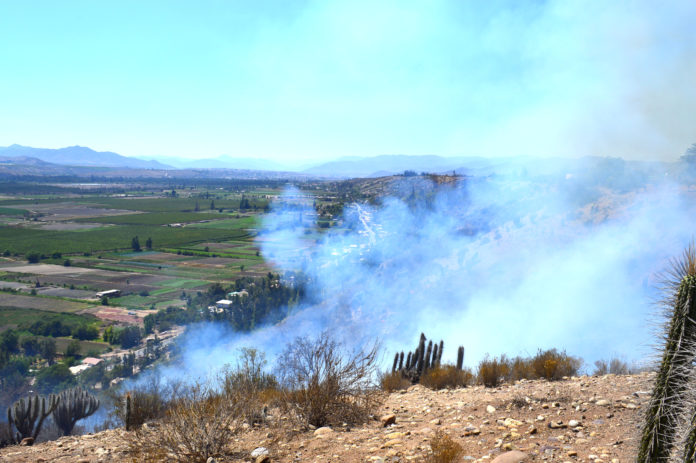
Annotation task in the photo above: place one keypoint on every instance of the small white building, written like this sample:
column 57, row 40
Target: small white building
column 87, row 363
column 109, row 293
column 224, row 304
column 242, row 293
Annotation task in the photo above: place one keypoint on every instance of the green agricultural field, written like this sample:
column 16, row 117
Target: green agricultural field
column 229, row 224
column 12, row 211
column 27, row 240
column 48, row 304
column 156, row 218
column 182, row 283
column 156, row 204
column 169, row 204
column 85, row 346
column 12, row 317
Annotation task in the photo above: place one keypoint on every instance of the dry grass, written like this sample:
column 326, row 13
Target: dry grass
column 393, row 381
column 446, row 377
column 444, row 448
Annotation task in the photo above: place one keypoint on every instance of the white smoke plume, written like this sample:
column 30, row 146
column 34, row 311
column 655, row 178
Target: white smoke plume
column 496, row 265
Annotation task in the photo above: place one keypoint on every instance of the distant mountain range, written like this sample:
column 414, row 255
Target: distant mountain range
column 78, row 156
column 226, row 162
column 65, row 161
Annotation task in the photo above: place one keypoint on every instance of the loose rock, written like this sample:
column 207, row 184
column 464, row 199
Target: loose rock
column 388, row 419
column 514, row 456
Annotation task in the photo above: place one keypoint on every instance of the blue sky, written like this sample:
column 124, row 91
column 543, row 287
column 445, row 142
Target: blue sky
column 315, row 80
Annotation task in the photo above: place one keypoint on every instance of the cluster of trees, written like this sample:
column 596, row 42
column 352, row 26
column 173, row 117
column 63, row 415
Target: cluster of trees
column 19, row 353
column 165, row 318
column 126, row 337
column 56, row 328
column 268, row 300
column 135, row 244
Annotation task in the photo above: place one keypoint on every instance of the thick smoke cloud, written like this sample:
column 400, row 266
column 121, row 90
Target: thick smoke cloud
column 494, row 264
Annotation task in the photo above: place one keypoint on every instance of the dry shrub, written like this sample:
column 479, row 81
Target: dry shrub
column 149, row 401
column 614, row 366
column 446, row 376
column 553, row 365
column 518, row 402
column 323, row 386
column 250, row 386
column 491, row 372
column 445, row 449
column 393, row 381
column 197, row 425
column 521, row 368
column 546, row 364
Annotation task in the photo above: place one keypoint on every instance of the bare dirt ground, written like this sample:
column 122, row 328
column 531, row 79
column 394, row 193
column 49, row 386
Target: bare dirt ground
column 46, row 269
column 583, row 419
column 120, row 314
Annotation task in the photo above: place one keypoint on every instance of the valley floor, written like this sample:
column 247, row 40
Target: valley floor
column 583, row 419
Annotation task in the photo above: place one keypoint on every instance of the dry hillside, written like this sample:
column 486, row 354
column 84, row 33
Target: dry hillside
column 580, row 419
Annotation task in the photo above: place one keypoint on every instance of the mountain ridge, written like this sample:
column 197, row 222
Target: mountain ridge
column 79, row 156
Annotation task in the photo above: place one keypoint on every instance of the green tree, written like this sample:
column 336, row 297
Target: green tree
column 31, row 346
column 149, row 324
column 57, row 376
column 129, row 337
column 109, row 334
column 148, row 243
column 48, row 350
column 73, row 348
column 135, row 244
column 9, row 342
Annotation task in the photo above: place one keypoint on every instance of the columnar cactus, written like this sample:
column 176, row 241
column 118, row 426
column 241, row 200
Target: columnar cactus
column 75, row 404
column 418, row 361
column 428, row 354
column 421, row 354
column 460, row 357
column 690, row 443
column 676, row 369
column 24, row 413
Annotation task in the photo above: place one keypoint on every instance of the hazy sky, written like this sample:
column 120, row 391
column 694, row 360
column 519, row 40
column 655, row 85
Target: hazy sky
column 322, row 79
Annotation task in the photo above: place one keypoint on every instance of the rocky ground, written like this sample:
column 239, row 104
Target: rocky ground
column 583, row 419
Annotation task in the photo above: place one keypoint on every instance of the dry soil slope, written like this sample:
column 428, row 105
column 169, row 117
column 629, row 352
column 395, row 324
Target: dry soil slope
column 579, row 419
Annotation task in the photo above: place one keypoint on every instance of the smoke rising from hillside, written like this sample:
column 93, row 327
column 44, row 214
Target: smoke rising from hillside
column 498, row 266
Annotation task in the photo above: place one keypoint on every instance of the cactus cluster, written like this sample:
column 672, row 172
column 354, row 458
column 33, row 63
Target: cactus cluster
column 24, row 413
column 424, row 357
column 670, row 420
column 74, row 405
